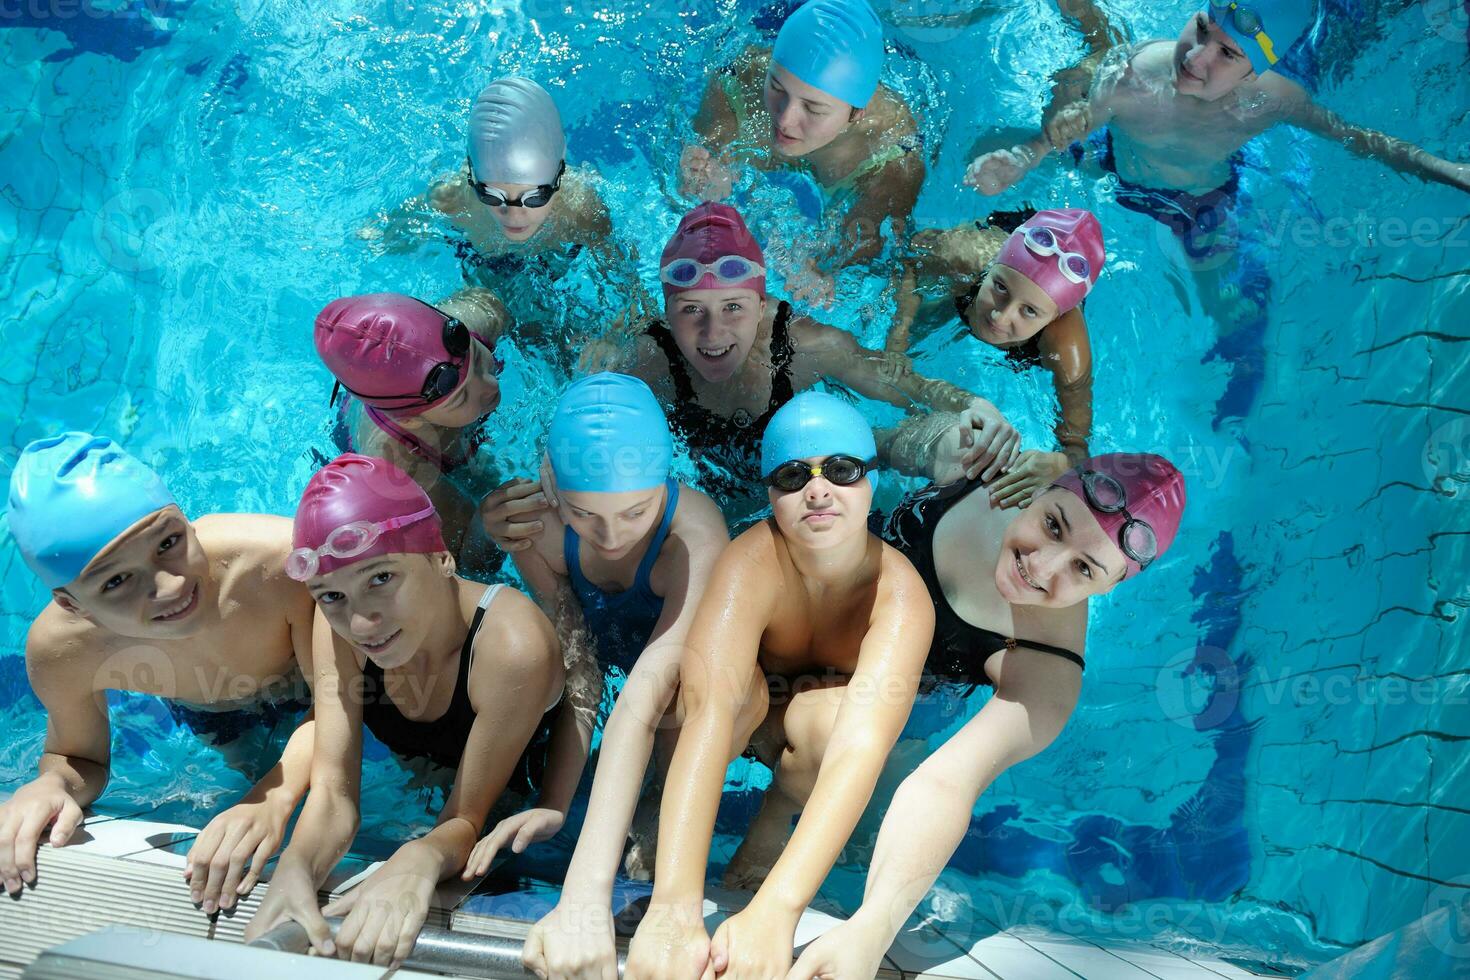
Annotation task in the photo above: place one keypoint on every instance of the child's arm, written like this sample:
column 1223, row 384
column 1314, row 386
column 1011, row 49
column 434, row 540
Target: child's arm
column 1402, row 156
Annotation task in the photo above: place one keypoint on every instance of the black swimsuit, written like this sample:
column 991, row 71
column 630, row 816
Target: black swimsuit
column 732, row 444
column 960, row 648
column 442, row 740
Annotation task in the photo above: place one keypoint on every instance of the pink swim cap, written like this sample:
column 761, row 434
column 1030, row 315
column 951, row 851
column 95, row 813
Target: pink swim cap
column 708, row 233
column 1071, row 230
column 354, row 488
column 381, row 347
column 1154, row 492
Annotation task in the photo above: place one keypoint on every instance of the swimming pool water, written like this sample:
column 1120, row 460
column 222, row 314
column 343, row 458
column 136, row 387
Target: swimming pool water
column 1273, row 724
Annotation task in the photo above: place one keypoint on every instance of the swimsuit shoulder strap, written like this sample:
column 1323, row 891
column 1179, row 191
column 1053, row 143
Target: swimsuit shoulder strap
column 467, row 651
column 571, row 553
column 645, row 567
column 781, row 352
column 408, row 441
column 1011, row 643
column 661, row 335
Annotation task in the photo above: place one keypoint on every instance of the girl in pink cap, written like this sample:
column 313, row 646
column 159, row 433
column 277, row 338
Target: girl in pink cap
column 414, row 384
column 1010, row 593
column 727, row 356
column 1017, row 282
column 440, row 669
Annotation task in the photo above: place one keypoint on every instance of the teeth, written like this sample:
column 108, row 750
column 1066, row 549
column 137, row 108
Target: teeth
column 174, row 611
column 1026, row 578
column 715, row 351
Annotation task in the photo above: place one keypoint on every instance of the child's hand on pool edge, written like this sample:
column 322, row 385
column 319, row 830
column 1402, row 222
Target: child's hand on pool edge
column 383, row 915
column 242, row 837
column 44, row 800
column 291, row 896
column 519, row 832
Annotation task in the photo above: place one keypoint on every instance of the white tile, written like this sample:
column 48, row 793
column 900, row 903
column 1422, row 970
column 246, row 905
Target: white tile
column 1164, row 964
column 1011, row 958
column 118, row 838
column 1088, row 960
column 923, row 950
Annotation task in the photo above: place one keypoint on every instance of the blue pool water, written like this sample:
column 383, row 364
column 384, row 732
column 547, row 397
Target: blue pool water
column 1274, row 719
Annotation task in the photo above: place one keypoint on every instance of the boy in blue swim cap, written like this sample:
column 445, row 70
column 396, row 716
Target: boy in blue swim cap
column 814, row 100
column 1170, row 118
column 145, row 600
column 634, row 549
column 810, row 594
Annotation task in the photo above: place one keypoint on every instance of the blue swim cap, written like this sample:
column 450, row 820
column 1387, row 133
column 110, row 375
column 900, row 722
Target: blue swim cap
column 833, row 45
column 71, row 495
column 815, row 423
column 1264, row 29
column 609, row 435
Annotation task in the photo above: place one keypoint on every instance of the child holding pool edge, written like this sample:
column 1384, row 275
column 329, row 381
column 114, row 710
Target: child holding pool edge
column 637, row 549
column 143, row 599
column 393, row 623
column 807, row 592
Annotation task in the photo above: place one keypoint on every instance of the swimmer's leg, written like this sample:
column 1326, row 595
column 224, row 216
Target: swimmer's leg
column 804, row 725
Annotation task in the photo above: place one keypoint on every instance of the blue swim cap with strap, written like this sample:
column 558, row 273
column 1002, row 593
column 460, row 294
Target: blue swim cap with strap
column 609, row 435
column 71, row 496
column 816, row 424
column 1264, row 29
column 833, row 45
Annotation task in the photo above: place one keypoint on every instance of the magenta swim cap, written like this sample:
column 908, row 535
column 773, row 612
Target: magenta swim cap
column 707, row 234
column 1153, row 490
column 382, row 346
column 352, row 489
column 1049, row 255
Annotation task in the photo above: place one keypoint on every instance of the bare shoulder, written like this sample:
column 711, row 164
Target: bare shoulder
column 259, row 538
column 448, row 193
column 698, row 514
column 754, row 557
column 900, row 584
column 751, row 66
column 1065, row 628
column 60, row 642
column 515, row 636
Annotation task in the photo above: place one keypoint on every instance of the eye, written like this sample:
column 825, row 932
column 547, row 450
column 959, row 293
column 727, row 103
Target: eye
column 1201, row 28
column 733, row 307
column 690, row 310
column 1029, row 311
column 168, row 542
column 1000, row 287
column 382, row 578
column 116, row 581
column 327, row 598
column 1053, row 527
column 1229, row 55
column 637, row 514
column 1084, row 569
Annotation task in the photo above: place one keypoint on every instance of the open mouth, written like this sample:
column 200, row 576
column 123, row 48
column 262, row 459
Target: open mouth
column 1021, row 571
column 715, row 353
column 380, row 645
column 1184, row 72
column 180, row 609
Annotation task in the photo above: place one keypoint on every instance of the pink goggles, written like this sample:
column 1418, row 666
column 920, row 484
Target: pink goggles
column 348, row 541
column 1073, row 266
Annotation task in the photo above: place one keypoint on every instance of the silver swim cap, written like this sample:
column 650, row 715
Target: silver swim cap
column 515, row 134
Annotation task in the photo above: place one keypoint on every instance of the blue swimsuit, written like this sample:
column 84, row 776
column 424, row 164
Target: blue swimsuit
column 621, row 622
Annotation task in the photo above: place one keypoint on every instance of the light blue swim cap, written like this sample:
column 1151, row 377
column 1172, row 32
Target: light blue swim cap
column 515, row 134
column 71, row 495
column 1265, row 29
column 833, row 45
column 609, row 435
column 815, row 423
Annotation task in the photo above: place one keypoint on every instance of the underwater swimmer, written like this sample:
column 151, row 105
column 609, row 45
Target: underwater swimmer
column 420, row 380
column 1172, row 115
column 143, row 599
column 636, row 548
column 728, row 358
column 439, row 668
column 814, row 101
column 1010, row 595
column 808, row 593
column 1022, row 293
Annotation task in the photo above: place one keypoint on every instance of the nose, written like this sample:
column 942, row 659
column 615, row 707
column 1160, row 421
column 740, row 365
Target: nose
column 818, row 490
column 788, row 116
column 1046, row 563
column 167, row 586
column 364, row 624
column 1003, row 318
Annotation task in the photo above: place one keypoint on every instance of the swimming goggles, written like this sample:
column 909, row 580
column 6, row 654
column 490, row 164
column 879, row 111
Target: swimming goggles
column 728, row 270
column 1246, row 21
column 442, row 378
column 348, row 541
column 537, row 197
column 842, row 471
column 1074, row 265
column 1107, row 496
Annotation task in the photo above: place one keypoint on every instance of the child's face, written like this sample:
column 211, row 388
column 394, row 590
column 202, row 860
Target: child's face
column 822, row 514
column 1208, row 64
column 1055, row 554
column 611, row 524
column 1010, row 308
column 803, row 117
column 378, row 605
column 518, row 223
column 478, row 393
column 150, row 583
column 715, row 328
